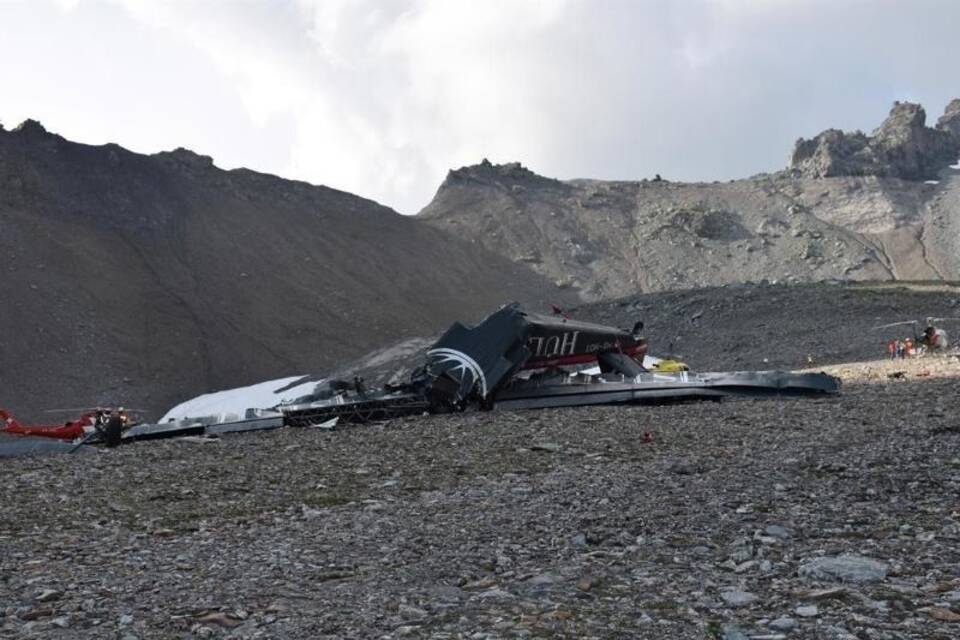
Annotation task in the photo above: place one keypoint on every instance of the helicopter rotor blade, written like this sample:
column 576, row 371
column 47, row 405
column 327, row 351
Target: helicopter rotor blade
column 87, row 409
column 895, row 324
column 75, row 410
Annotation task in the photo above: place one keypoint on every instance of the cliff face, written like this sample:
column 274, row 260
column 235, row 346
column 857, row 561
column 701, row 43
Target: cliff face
column 902, row 147
column 147, row 279
column 845, row 210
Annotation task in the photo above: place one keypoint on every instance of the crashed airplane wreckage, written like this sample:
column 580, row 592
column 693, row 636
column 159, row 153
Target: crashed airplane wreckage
column 511, row 360
column 519, row 360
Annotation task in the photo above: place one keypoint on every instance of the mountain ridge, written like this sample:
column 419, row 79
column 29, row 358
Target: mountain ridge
column 607, row 239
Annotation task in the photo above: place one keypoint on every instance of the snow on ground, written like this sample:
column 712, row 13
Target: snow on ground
column 232, row 404
column 957, row 165
column 931, row 182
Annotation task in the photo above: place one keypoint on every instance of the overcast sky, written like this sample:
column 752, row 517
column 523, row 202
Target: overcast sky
column 382, row 97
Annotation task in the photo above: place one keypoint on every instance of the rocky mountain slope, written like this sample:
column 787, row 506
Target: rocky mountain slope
column 147, row 279
column 851, row 207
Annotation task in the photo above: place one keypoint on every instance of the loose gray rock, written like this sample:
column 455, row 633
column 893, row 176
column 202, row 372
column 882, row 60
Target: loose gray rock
column 494, row 594
column 785, row 623
column 745, row 566
column 845, row 568
column 411, row 613
column 826, row 594
column 738, row 598
column 833, row 632
column 62, row 622
column 732, row 632
column 48, row 595
column 778, row 531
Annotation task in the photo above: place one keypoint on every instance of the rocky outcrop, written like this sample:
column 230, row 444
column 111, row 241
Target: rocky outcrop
column 511, row 175
column 950, row 120
column 30, row 127
column 902, row 147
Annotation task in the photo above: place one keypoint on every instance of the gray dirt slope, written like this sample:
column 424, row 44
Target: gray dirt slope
column 144, row 280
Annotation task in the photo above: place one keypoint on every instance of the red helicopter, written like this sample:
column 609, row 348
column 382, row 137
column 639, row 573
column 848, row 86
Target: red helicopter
column 89, row 420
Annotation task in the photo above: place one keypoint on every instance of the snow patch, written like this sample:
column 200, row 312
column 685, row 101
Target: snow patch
column 931, row 182
column 957, row 165
column 231, row 404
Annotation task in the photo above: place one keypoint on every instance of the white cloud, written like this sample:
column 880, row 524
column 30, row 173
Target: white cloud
column 381, row 97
